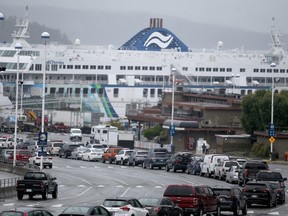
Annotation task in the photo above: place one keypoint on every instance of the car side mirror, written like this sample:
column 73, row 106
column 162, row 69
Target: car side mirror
column 54, row 178
column 285, row 179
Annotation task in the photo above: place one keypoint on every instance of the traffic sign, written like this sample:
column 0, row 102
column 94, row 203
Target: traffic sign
column 42, row 138
column 272, row 139
column 271, row 132
column 172, row 130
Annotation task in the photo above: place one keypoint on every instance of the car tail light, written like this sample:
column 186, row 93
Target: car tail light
column 42, row 184
column 195, row 201
column 125, row 208
column 38, row 158
column 264, row 190
column 49, row 158
column 157, row 209
column 17, row 183
column 244, row 190
column 281, row 184
column 246, row 172
column 25, row 213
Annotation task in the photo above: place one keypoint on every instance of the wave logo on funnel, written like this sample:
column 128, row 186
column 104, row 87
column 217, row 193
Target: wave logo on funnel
column 159, row 39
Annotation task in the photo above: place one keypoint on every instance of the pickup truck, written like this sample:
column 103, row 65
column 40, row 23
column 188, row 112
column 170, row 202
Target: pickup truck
column 37, row 183
column 59, row 127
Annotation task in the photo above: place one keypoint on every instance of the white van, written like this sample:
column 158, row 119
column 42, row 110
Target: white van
column 209, row 162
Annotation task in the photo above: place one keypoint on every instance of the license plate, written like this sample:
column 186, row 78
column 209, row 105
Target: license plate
column 28, row 190
column 254, row 196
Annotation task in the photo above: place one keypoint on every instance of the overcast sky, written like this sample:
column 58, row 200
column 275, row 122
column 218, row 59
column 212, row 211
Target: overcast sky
column 250, row 15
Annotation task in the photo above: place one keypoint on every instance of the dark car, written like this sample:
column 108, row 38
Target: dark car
column 155, row 159
column 249, row 170
column 67, row 149
column 178, row 161
column 194, row 167
column 261, row 193
column 232, row 199
column 194, row 199
column 280, row 192
column 85, row 210
column 268, row 175
column 26, row 212
column 162, row 206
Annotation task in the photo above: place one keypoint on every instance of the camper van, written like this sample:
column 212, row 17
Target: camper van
column 209, row 162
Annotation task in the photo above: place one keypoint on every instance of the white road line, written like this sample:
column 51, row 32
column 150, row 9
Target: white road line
column 8, row 204
column 56, row 206
column 123, row 194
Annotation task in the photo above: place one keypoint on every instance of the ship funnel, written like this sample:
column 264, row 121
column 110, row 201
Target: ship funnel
column 156, row 23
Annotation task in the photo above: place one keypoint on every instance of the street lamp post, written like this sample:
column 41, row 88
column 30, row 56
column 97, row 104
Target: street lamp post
column 272, row 127
column 18, row 47
column 172, row 127
column 45, row 36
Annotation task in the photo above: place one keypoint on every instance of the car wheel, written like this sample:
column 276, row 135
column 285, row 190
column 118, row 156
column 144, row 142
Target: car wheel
column 200, row 212
column 236, row 211
column 89, row 158
column 122, row 162
column 103, row 160
column 55, row 193
column 50, row 166
column 134, row 163
column 269, row 203
column 45, row 194
column 143, row 165
column 275, row 202
column 218, row 211
column 173, row 168
column 244, row 210
column 194, row 172
column 20, row 195
column 167, row 168
column 151, row 166
column 283, row 201
column 110, row 161
column 30, row 196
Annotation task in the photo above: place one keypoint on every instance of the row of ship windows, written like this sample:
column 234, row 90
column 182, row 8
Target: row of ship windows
column 38, row 67
column 100, row 91
column 255, row 70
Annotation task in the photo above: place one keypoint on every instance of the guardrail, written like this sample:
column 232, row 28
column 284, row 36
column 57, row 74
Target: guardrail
column 11, row 182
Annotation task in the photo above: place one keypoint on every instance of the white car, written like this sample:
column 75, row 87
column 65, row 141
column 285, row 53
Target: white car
column 125, row 207
column 123, row 156
column 75, row 134
column 36, row 159
column 232, row 174
column 92, row 154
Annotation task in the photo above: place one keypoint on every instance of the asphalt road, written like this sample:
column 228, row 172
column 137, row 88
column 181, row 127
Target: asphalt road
column 83, row 181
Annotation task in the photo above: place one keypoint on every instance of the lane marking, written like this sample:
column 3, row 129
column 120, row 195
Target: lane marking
column 123, row 194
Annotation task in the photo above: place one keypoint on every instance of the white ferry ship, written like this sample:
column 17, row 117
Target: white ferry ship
column 107, row 79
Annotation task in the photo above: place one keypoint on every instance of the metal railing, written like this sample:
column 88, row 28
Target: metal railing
column 9, row 182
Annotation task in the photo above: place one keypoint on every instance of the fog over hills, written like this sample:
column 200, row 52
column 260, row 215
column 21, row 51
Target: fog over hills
column 105, row 28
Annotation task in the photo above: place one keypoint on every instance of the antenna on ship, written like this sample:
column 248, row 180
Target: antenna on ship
column 21, row 34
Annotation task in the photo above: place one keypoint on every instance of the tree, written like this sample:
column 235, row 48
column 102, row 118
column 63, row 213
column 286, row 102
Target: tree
column 256, row 111
column 153, row 132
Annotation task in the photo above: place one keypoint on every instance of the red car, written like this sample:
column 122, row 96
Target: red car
column 22, row 155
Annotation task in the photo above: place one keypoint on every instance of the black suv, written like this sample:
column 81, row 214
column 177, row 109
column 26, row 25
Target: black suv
column 232, row 199
column 67, row 149
column 194, row 199
column 262, row 193
column 249, row 170
column 267, row 175
column 178, row 161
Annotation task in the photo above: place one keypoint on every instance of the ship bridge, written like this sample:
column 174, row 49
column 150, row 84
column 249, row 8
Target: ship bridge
column 155, row 38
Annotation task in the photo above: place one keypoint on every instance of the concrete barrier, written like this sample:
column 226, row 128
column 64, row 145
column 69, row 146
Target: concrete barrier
column 2, row 193
column 10, row 191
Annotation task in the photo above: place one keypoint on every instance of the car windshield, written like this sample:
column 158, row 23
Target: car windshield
column 232, row 163
column 77, row 131
column 73, row 146
column 256, row 166
column 160, row 154
column 148, row 201
column 58, row 144
column 76, row 210
column 35, row 176
column 221, row 191
column 114, row 203
column 255, row 186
